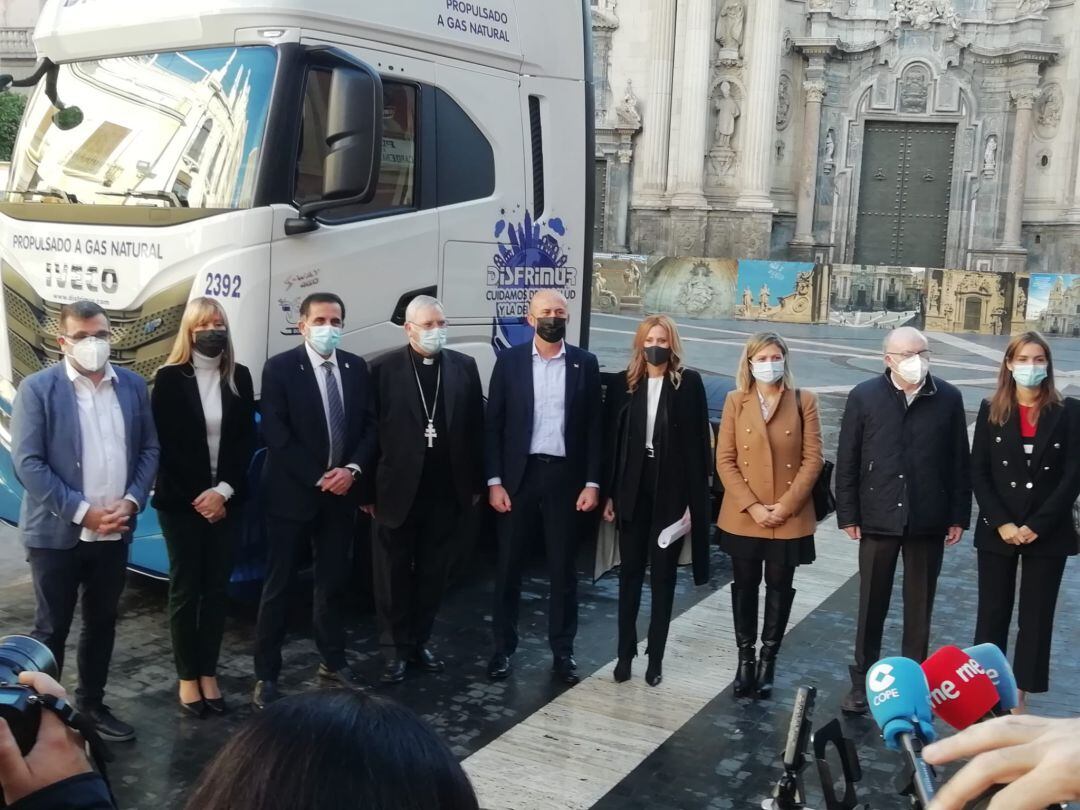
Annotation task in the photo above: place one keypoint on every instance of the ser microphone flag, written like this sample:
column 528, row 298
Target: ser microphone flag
column 961, row 692
column 996, row 666
column 899, row 698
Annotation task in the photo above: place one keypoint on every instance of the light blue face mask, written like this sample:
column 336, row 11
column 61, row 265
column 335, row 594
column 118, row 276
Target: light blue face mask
column 431, row 341
column 324, row 339
column 1029, row 375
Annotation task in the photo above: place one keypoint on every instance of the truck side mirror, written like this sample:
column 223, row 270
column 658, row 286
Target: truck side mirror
column 354, row 137
column 67, row 118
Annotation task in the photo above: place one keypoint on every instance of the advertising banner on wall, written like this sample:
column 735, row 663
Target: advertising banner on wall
column 1053, row 305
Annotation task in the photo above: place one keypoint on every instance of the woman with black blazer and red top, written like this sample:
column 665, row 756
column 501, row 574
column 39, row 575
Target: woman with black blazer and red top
column 657, row 469
column 204, row 407
column 1026, row 474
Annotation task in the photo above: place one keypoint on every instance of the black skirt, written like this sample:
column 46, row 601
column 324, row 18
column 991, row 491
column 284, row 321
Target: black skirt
column 795, row 552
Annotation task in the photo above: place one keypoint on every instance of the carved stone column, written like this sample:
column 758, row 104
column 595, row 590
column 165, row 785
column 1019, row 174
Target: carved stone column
column 652, row 155
column 807, row 192
column 762, row 49
column 1025, row 99
column 695, row 18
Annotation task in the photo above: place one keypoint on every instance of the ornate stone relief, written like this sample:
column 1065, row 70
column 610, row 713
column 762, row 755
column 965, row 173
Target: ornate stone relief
column 922, row 15
column 1048, row 110
column 730, row 27
column 820, row 5
column 990, row 150
column 1031, row 6
column 914, row 89
column 627, row 113
column 783, row 103
column 697, row 292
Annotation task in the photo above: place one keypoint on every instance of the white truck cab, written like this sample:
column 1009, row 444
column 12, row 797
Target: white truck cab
column 259, row 150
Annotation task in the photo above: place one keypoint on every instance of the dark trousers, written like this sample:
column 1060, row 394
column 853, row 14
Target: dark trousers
column 98, row 570
column 638, row 548
column 748, row 573
column 200, row 561
column 547, row 499
column 878, row 554
column 330, row 533
column 410, row 565
column 1040, row 581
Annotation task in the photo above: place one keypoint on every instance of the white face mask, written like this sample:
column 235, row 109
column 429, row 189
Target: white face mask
column 913, row 370
column 430, row 341
column 768, row 371
column 91, row 353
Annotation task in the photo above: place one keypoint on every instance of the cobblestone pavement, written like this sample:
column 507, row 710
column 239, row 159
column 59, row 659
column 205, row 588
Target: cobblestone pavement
column 724, row 757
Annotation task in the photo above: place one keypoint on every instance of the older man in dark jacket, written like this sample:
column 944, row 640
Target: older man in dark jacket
column 903, row 486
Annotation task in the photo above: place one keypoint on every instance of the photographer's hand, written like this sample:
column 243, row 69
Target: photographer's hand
column 58, row 753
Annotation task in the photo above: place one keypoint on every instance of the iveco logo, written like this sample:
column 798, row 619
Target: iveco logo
column 152, row 326
column 880, row 678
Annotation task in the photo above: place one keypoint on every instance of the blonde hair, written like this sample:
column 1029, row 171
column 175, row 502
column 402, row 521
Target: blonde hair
column 200, row 312
column 744, row 378
column 635, row 371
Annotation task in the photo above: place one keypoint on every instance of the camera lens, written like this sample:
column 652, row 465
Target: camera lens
column 24, row 654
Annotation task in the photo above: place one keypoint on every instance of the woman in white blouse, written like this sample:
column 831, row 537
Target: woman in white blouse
column 204, row 409
column 657, row 474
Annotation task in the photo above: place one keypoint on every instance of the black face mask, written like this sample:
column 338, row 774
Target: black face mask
column 551, row 330
column 657, row 355
column 211, row 343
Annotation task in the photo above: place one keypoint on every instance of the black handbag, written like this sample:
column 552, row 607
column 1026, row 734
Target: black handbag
column 824, row 500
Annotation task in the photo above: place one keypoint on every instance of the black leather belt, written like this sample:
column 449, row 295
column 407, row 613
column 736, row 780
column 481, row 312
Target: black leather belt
column 546, row 459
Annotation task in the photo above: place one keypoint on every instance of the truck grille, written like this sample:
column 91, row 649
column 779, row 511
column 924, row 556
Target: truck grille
column 142, row 338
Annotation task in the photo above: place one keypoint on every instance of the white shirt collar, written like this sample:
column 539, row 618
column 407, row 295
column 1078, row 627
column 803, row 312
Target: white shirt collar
column 75, row 375
column 317, row 359
column 558, row 354
column 892, row 379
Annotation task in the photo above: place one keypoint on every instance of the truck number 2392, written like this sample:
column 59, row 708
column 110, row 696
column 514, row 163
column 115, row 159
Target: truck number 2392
column 222, row 285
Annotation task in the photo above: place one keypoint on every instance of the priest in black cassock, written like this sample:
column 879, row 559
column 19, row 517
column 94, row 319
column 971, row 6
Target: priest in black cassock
column 429, row 475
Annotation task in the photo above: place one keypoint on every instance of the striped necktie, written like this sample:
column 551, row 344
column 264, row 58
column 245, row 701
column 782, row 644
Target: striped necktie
column 337, row 416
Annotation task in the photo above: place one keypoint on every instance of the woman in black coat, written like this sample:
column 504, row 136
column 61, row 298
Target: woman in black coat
column 204, row 408
column 1026, row 475
column 657, row 471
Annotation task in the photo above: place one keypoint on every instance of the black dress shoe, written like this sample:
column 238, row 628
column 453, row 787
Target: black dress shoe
column 346, row 677
column 266, row 692
column 654, row 673
column 107, row 726
column 562, row 671
column 426, row 660
column 393, row 672
column 571, row 661
column 622, row 670
column 499, row 667
column 216, row 705
column 196, row 708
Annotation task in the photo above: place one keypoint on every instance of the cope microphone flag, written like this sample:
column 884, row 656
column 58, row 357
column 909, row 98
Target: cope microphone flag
column 899, row 698
column 961, row 692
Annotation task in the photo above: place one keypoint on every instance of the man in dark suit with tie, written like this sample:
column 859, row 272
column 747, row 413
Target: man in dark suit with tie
column 543, row 461
column 319, row 426
column 430, row 407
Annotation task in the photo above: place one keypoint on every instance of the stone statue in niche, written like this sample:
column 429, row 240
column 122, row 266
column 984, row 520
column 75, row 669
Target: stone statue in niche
column 1050, row 105
column 1021, row 302
column 729, row 27
column 783, row 103
column 727, row 113
column 830, row 152
column 914, row 90
column 781, row 147
column 989, row 167
column 935, row 296
column 627, row 111
column 1032, row 6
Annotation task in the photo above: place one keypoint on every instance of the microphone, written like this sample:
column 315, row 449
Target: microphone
column 961, row 692
column 996, row 666
column 900, row 704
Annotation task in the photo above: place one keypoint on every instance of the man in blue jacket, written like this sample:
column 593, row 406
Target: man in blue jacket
column 543, row 461
column 86, row 452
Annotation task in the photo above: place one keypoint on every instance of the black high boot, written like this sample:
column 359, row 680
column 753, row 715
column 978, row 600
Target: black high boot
column 744, row 609
column 777, row 612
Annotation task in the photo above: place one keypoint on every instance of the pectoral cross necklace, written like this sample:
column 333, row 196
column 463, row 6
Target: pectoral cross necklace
column 429, row 432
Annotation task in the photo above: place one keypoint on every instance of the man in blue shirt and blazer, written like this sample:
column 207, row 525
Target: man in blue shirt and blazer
column 543, row 459
column 86, row 452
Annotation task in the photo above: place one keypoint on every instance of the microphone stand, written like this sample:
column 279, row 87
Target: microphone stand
column 789, row 793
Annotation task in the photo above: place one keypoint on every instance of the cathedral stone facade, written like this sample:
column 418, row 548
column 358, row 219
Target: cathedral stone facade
column 930, row 133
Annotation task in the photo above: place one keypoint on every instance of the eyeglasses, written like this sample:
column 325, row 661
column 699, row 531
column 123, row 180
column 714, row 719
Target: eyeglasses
column 430, row 324
column 924, row 354
column 102, row 335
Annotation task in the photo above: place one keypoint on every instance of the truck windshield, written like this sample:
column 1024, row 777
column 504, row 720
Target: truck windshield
column 181, row 129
